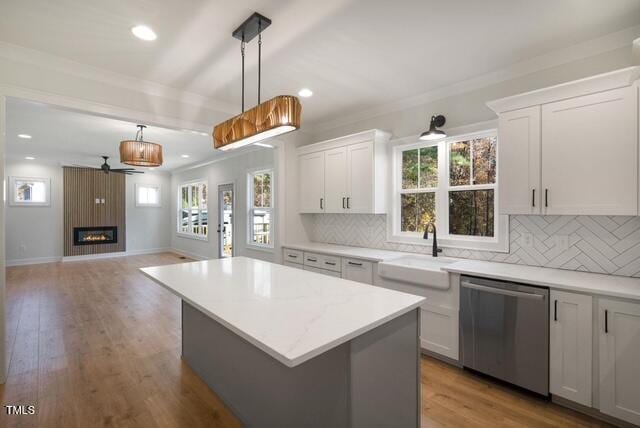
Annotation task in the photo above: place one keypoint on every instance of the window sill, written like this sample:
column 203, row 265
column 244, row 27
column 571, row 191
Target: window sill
column 148, row 205
column 262, row 248
column 455, row 243
column 192, row 236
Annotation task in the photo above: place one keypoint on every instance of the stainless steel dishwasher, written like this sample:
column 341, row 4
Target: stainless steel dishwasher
column 504, row 331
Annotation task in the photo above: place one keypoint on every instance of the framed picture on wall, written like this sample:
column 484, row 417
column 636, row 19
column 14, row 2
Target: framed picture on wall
column 30, row 191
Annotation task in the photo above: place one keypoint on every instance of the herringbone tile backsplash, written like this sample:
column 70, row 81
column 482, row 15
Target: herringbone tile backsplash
column 602, row 244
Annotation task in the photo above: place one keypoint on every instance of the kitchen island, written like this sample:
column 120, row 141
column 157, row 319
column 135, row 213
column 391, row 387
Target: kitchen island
column 286, row 347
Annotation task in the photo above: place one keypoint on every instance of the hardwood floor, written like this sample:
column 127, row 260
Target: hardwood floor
column 98, row 344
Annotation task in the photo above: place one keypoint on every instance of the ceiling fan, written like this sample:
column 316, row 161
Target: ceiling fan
column 106, row 168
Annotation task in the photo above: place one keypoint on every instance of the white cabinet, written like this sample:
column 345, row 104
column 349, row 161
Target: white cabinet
column 322, row 271
column 570, row 149
column 619, row 326
column 590, row 154
column 570, row 346
column 357, row 270
column 439, row 330
column 336, row 183
column 311, row 179
column 519, row 161
column 345, row 175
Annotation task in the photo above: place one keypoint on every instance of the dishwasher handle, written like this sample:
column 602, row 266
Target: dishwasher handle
column 502, row 291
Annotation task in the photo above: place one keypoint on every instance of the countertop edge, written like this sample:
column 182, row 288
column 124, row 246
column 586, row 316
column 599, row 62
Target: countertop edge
column 272, row 352
column 346, row 251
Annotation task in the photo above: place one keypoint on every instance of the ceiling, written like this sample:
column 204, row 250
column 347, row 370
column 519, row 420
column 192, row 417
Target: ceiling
column 69, row 137
column 354, row 54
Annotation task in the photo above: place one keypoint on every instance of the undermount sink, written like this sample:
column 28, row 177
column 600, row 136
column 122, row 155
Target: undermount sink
column 421, row 270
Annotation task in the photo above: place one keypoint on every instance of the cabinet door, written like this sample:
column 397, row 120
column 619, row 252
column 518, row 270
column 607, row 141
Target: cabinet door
column 311, row 173
column 357, row 270
column 590, row 154
column 619, row 325
column 519, row 161
column 335, row 180
column 439, row 330
column 570, row 347
column 361, row 182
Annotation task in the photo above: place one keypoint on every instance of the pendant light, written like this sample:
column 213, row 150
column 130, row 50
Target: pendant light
column 276, row 116
column 139, row 152
column 433, row 133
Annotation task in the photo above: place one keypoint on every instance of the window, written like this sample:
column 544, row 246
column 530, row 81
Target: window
column 192, row 210
column 451, row 183
column 29, row 191
column 260, row 216
column 147, row 195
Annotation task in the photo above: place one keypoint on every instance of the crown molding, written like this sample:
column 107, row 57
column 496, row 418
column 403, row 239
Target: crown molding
column 551, row 59
column 52, row 62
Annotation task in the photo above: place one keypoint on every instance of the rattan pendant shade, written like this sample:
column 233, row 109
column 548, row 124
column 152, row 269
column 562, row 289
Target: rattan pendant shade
column 140, row 153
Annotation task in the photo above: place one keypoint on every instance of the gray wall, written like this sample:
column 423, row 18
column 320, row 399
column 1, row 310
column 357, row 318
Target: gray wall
column 34, row 234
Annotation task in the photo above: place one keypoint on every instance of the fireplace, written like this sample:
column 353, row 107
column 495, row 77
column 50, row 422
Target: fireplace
column 95, row 235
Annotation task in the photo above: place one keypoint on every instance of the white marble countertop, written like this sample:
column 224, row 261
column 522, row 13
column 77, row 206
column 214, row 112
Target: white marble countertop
column 561, row 279
column 291, row 314
column 370, row 254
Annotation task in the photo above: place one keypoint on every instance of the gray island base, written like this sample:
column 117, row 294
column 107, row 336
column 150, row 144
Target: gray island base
column 372, row 380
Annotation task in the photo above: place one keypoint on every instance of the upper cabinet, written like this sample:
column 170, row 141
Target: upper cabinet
column 345, row 175
column 571, row 149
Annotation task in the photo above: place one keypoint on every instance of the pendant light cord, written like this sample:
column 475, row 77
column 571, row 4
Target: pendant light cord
column 242, row 53
column 259, row 57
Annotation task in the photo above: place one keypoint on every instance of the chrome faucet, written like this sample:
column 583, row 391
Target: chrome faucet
column 436, row 250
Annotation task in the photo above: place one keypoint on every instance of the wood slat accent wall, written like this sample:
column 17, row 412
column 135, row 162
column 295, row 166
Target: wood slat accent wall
column 82, row 186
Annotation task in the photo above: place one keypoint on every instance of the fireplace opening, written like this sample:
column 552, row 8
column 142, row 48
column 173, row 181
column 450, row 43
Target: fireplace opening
column 95, row 235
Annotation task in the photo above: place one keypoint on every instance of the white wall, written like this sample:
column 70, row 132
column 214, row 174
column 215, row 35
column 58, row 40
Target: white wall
column 35, row 234
column 148, row 228
column 233, row 169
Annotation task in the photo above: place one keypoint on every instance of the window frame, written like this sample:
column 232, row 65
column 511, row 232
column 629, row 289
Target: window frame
column 139, row 204
column 12, row 192
column 191, row 184
column 251, row 208
column 498, row 243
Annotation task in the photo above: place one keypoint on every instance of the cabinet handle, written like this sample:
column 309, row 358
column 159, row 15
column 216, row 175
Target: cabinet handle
column 555, row 310
column 329, row 263
column 546, row 197
column 292, row 256
column 311, row 260
column 606, row 321
column 355, row 264
column 348, row 207
column 321, row 203
column 343, row 203
column 533, row 198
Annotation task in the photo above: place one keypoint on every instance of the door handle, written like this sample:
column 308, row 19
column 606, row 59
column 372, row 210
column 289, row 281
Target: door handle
column 329, row 263
column 343, row 207
column 321, row 203
column 546, row 198
column 555, row 310
column 311, row 260
column 348, row 207
column 355, row 264
column 533, row 198
column 606, row 321
column 502, row 291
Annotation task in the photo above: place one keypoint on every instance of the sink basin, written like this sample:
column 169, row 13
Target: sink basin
column 420, row 270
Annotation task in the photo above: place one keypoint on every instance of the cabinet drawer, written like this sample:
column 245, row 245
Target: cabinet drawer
column 293, row 256
column 293, row 265
column 322, row 261
column 322, row 271
column 357, row 270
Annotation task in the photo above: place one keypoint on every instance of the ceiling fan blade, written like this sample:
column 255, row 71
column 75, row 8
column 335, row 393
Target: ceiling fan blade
column 82, row 166
column 123, row 169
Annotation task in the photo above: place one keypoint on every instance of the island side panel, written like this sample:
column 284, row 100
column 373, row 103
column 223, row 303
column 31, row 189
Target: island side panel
column 385, row 375
column 261, row 391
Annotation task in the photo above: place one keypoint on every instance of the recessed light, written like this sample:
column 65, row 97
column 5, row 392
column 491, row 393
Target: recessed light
column 144, row 33
column 305, row 92
column 29, row 158
column 184, row 156
column 25, row 136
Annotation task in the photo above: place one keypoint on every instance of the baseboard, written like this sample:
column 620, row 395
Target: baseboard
column 595, row 413
column 32, row 261
column 187, row 254
column 117, row 254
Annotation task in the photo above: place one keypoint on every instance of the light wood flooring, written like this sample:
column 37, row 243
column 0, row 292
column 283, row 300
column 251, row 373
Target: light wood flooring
column 98, row 344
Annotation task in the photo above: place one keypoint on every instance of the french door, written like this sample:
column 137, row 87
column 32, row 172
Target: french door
column 225, row 220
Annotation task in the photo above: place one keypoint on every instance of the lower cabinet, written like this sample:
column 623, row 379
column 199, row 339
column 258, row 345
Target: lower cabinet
column 570, row 346
column 619, row 343
column 322, row 271
column 293, row 265
column 340, row 267
column 357, row 270
column 439, row 330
